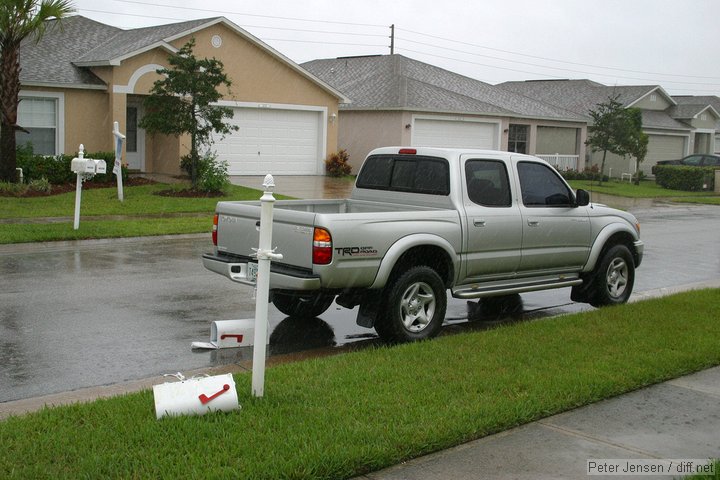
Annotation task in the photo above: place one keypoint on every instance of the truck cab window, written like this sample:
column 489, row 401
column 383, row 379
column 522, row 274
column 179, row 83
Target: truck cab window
column 487, row 183
column 541, row 186
column 412, row 174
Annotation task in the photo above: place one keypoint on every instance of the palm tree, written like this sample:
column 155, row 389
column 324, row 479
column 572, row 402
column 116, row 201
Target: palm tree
column 19, row 19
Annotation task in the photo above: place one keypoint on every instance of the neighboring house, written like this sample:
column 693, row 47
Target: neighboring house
column 674, row 130
column 699, row 105
column 400, row 101
column 82, row 77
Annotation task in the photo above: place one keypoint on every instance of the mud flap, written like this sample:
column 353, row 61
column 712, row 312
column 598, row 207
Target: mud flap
column 582, row 293
column 368, row 313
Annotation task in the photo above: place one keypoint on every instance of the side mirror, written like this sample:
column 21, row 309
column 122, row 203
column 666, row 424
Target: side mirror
column 582, row 198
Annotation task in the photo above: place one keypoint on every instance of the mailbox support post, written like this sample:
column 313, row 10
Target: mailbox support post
column 265, row 255
column 84, row 168
column 78, row 189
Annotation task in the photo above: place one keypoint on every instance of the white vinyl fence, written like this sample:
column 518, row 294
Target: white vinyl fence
column 561, row 162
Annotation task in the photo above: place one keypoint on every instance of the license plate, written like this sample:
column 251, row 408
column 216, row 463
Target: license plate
column 252, row 271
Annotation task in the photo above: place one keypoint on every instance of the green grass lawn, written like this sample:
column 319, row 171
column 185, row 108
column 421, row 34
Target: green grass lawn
column 140, row 200
column 138, row 214
column 341, row 416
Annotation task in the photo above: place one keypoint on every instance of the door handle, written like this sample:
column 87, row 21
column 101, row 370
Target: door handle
column 533, row 223
column 478, row 222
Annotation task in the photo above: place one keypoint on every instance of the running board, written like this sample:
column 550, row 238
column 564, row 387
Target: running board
column 477, row 291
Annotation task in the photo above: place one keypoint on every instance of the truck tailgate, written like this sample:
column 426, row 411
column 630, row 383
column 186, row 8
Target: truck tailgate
column 238, row 232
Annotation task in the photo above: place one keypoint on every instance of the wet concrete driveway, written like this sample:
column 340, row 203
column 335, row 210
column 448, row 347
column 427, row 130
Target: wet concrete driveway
column 97, row 313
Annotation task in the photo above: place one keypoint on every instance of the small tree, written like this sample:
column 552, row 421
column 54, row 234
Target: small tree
column 182, row 102
column 635, row 141
column 605, row 134
column 19, row 19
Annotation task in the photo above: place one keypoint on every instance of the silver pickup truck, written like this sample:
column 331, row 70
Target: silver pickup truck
column 422, row 221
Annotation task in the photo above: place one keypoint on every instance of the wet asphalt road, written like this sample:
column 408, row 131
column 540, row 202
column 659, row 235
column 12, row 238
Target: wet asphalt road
column 97, row 313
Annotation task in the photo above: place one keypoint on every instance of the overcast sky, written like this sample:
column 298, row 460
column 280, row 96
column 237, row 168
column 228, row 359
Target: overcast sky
column 672, row 43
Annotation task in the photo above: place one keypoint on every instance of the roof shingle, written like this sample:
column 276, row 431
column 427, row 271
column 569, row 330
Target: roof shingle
column 399, row 82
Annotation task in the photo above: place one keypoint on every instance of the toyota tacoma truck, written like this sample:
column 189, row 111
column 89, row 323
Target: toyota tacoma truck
column 422, row 222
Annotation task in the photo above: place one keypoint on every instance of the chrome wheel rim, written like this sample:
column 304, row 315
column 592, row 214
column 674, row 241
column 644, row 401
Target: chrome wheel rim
column 618, row 273
column 417, row 307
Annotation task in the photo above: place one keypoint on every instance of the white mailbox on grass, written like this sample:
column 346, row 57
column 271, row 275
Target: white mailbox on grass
column 88, row 166
column 85, row 168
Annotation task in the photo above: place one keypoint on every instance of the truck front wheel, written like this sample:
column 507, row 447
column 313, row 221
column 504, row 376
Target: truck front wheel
column 614, row 278
column 302, row 305
column 414, row 306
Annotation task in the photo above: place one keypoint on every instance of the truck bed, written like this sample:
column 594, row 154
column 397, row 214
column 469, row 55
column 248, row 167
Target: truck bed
column 294, row 221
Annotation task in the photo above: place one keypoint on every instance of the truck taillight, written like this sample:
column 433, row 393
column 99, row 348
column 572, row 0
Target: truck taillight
column 322, row 247
column 408, row 151
column 214, row 230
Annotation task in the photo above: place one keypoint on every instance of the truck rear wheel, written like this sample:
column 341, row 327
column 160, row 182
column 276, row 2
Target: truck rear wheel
column 302, row 305
column 614, row 279
column 414, row 306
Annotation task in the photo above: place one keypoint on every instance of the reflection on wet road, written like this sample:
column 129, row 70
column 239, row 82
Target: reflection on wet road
column 106, row 312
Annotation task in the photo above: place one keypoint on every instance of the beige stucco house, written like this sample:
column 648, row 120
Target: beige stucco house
column 676, row 126
column 400, row 101
column 86, row 75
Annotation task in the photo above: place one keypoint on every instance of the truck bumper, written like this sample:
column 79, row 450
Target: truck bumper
column 639, row 248
column 281, row 276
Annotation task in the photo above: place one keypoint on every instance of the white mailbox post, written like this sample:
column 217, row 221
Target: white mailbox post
column 265, row 254
column 84, row 168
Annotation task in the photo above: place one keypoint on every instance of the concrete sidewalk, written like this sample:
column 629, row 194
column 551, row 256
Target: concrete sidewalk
column 679, row 419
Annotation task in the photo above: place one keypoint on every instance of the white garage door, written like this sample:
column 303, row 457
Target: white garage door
column 663, row 147
column 453, row 133
column 281, row 142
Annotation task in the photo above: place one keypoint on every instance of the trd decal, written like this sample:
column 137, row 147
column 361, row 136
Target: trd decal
column 356, row 251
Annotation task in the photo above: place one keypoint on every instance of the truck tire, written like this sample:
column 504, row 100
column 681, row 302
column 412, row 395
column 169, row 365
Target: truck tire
column 302, row 305
column 414, row 306
column 614, row 278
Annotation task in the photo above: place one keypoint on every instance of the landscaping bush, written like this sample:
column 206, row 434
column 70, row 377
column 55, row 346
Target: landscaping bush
column 212, row 174
column 336, row 164
column 681, row 177
column 56, row 169
column 589, row 173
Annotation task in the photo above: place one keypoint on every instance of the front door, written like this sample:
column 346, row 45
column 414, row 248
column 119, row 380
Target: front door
column 134, row 135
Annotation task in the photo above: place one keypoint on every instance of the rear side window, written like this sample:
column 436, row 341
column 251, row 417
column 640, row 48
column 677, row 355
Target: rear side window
column 487, row 183
column 541, row 186
column 403, row 173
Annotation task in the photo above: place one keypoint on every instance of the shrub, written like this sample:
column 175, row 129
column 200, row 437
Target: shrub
column 336, row 164
column 40, row 185
column 12, row 189
column 589, row 173
column 681, row 177
column 56, row 169
column 212, row 174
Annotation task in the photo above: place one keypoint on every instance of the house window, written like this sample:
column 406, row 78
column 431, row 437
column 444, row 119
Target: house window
column 518, row 138
column 131, row 133
column 39, row 116
column 653, row 97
